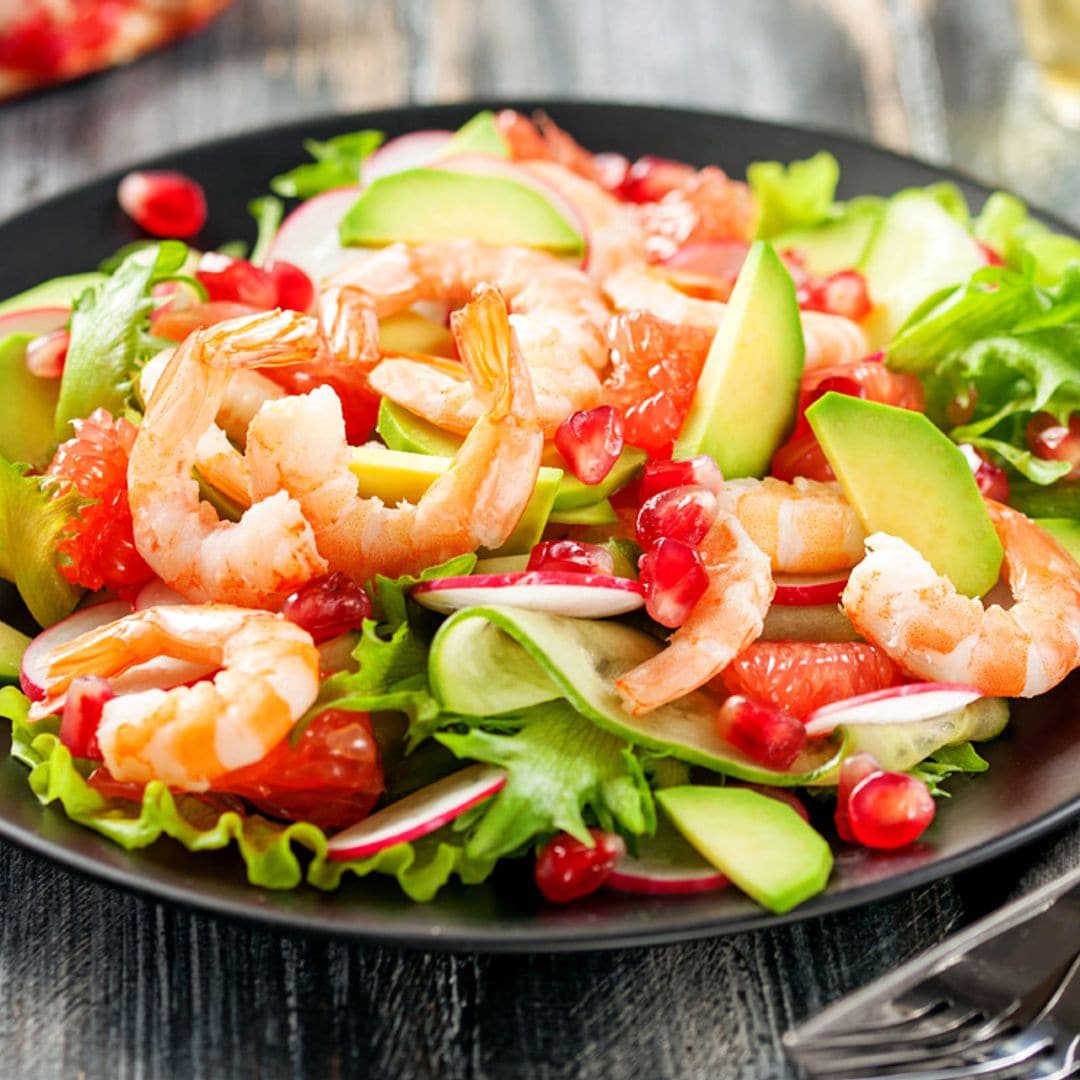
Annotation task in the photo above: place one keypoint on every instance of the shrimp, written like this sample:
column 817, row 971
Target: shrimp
column 259, row 560
column 190, row 735
column 558, row 318
column 805, row 527
column 830, row 339
column 898, row 601
column 298, row 445
column 727, row 618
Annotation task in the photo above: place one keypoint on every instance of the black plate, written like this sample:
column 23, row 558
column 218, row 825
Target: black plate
column 1033, row 785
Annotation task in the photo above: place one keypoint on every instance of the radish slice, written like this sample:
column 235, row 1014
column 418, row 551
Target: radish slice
column 157, row 594
column 36, row 321
column 656, row 879
column 412, row 151
column 308, row 237
column 581, row 596
column 32, row 678
column 804, row 590
column 484, row 165
column 418, row 814
column 897, row 705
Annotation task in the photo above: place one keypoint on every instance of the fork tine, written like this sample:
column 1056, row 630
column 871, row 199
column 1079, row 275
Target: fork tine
column 946, row 1022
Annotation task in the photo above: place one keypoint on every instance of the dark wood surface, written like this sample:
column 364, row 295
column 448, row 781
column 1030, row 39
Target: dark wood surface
column 99, row 983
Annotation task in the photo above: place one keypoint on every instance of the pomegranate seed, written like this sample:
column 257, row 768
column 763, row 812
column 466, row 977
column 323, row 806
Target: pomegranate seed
column 1054, row 441
column 700, row 471
column 591, row 441
column 853, row 770
column 993, row 481
column 328, row 606
column 295, row 290
column 566, row 869
column 764, row 733
column 226, row 278
column 571, row 557
column 682, row 513
column 889, row 810
column 163, row 203
column 45, row 355
column 674, row 579
column 83, row 706
column 650, row 178
column 784, row 795
column 845, row 293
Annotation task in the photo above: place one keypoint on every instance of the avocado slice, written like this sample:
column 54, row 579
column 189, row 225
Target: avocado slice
column 917, row 249
column 411, row 332
column 404, row 430
column 423, row 205
column 835, row 245
column 12, row 646
column 57, row 292
column 760, row 843
column 745, row 401
column 480, row 135
column 395, row 475
column 905, row 477
column 597, row 513
column 27, row 406
column 1066, row 531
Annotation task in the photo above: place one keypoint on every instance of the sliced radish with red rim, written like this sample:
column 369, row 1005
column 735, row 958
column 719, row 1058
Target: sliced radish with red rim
column 308, row 237
column 905, row 704
column 805, row 590
column 37, row 321
column 411, row 151
column 583, row 596
column 418, row 814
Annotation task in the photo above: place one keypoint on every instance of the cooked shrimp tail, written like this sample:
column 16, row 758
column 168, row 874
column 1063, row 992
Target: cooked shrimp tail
column 727, row 618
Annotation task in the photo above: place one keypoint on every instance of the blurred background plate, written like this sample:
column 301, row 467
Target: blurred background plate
column 1032, row 787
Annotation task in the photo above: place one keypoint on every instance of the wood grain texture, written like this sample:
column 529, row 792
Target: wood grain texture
column 99, row 983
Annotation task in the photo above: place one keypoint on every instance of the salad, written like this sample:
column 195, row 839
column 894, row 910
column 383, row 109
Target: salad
column 511, row 501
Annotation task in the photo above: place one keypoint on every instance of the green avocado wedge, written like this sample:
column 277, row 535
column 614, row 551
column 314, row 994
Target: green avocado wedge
column 479, row 135
column 57, row 292
column 27, row 406
column 760, row 843
column 905, row 477
column 12, row 646
column 745, row 401
column 420, row 206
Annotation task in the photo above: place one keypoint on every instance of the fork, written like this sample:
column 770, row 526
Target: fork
column 1002, row 996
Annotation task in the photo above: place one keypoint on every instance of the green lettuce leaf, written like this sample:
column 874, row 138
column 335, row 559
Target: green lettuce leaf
column 267, row 210
column 793, row 196
column 391, row 593
column 271, row 851
column 337, row 164
column 1005, row 225
column 558, row 764
column 32, row 519
column 946, row 762
column 109, row 335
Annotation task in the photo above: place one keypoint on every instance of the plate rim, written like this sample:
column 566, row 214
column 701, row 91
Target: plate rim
column 532, row 937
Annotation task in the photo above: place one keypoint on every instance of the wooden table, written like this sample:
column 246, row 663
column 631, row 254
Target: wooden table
column 99, row 983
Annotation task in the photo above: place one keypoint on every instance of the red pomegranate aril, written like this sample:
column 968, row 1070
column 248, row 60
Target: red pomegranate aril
column 81, row 717
column 845, row 293
column 328, row 606
column 568, row 869
column 993, row 481
column 761, row 731
column 674, row 579
column 295, row 290
column 226, row 278
column 801, row 455
column 1055, row 441
column 700, row 471
column 889, row 810
column 650, row 178
column 571, row 557
column 681, row 513
column 163, row 203
column 45, row 355
column 853, row 770
column 591, row 441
